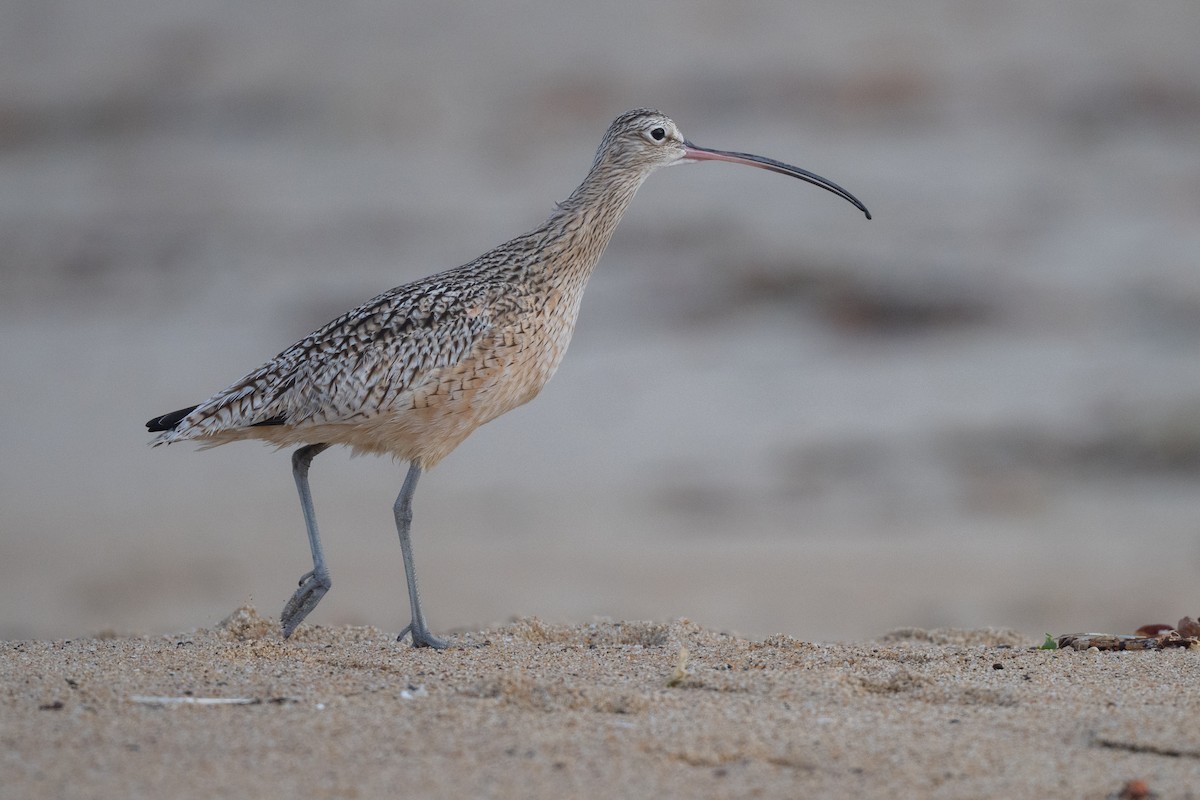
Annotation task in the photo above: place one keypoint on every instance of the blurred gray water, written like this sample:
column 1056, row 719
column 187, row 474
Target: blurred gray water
column 982, row 408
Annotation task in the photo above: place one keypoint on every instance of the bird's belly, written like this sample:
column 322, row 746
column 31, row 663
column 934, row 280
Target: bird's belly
column 505, row 371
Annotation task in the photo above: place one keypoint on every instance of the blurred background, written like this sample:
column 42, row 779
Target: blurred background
column 982, row 408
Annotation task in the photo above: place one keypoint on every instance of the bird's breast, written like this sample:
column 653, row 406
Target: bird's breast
column 509, row 366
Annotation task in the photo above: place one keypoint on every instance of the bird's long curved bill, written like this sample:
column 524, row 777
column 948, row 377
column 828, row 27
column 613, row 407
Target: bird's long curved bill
column 694, row 153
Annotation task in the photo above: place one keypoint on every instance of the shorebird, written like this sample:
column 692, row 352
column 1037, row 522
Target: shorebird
column 412, row 372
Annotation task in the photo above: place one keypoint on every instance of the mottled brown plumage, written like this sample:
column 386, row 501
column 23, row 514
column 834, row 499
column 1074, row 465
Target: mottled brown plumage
column 414, row 371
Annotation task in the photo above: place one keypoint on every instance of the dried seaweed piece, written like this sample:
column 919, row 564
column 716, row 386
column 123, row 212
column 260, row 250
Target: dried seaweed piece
column 1115, row 641
column 1153, row 630
column 1135, row 790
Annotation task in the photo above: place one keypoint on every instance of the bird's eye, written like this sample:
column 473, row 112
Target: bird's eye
column 658, row 134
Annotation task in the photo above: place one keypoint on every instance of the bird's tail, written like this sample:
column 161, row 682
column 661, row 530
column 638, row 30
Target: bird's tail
column 168, row 422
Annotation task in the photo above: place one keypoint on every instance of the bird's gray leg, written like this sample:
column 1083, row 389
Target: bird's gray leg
column 421, row 637
column 314, row 584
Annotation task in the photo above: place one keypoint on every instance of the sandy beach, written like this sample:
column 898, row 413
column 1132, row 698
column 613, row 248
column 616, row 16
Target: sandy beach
column 606, row 709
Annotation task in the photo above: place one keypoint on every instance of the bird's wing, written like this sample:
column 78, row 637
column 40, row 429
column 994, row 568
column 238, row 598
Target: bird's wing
column 358, row 365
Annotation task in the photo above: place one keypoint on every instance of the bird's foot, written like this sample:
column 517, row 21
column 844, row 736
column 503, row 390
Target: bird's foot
column 313, row 587
column 421, row 637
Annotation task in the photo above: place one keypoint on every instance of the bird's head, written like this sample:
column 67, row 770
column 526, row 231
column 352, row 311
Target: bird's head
column 642, row 140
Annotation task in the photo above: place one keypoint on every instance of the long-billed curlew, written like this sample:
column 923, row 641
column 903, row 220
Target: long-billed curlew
column 412, row 372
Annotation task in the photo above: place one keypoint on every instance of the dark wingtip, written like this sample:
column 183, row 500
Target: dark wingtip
column 168, row 421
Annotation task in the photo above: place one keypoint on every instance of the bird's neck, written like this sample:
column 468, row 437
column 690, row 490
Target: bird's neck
column 582, row 225
column 604, row 195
